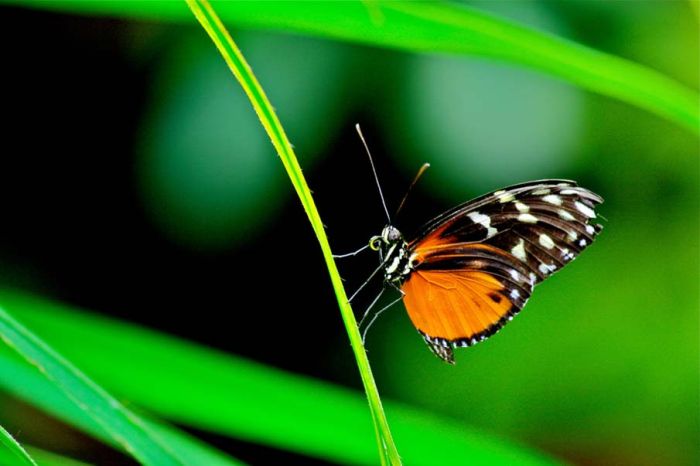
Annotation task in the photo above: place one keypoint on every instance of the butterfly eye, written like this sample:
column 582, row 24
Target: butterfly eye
column 375, row 243
column 393, row 234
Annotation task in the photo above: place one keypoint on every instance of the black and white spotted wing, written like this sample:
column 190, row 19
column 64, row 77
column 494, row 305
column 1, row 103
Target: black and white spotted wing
column 474, row 267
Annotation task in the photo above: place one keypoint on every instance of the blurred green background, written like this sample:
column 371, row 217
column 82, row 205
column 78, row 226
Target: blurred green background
column 139, row 184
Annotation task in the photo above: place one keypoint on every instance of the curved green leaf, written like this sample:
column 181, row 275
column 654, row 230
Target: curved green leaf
column 24, row 382
column 12, row 452
column 239, row 67
column 47, row 458
column 119, row 424
column 437, row 27
column 233, row 396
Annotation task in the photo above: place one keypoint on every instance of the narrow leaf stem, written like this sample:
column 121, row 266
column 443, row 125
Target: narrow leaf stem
column 211, row 23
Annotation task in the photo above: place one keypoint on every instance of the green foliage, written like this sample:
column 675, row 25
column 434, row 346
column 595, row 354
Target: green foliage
column 229, row 395
column 195, row 141
column 11, row 452
column 28, row 384
column 34, row 371
column 440, row 27
column 119, row 424
column 243, row 73
column 46, row 458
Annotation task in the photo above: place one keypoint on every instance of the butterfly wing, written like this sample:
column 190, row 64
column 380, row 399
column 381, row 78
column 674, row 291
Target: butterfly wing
column 460, row 294
column 476, row 265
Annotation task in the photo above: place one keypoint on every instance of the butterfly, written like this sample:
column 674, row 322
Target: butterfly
column 470, row 270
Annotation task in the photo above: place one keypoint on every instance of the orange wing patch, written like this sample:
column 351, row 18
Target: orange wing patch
column 461, row 293
column 456, row 305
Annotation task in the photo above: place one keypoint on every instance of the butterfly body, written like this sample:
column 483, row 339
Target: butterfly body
column 394, row 254
column 470, row 270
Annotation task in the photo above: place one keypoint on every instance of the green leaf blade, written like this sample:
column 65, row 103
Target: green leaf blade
column 24, row 382
column 239, row 67
column 122, row 426
column 225, row 394
column 12, row 451
column 432, row 27
column 47, row 458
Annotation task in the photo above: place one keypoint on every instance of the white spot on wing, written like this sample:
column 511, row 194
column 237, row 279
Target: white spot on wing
column 484, row 221
column 546, row 241
column 582, row 243
column 567, row 192
column 522, row 208
column 533, row 278
column 572, row 235
column 541, row 191
column 563, row 214
column 567, row 254
column 527, row 218
column 519, row 250
column 589, row 229
column 514, row 273
column 584, row 209
column 476, row 217
column 552, row 199
column 514, row 294
column 547, row 268
column 505, row 197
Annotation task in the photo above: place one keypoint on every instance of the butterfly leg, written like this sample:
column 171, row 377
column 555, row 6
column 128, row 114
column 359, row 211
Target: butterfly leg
column 398, row 289
column 350, row 254
column 369, row 308
column 376, row 271
column 374, row 317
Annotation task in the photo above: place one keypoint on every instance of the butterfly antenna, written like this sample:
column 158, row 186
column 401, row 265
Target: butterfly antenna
column 374, row 171
column 413, row 183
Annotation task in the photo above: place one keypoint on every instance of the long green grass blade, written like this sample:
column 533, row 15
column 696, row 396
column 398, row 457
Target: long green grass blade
column 125, row 428
column 232, row 396
column 24, row 382
column 47, row 458
column 243, row 73
column 437, row 27
column 12, row 452
column 45, row 379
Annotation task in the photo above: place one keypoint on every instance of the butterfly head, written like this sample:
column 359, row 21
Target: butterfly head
column 389, row 237
column 393, row 251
